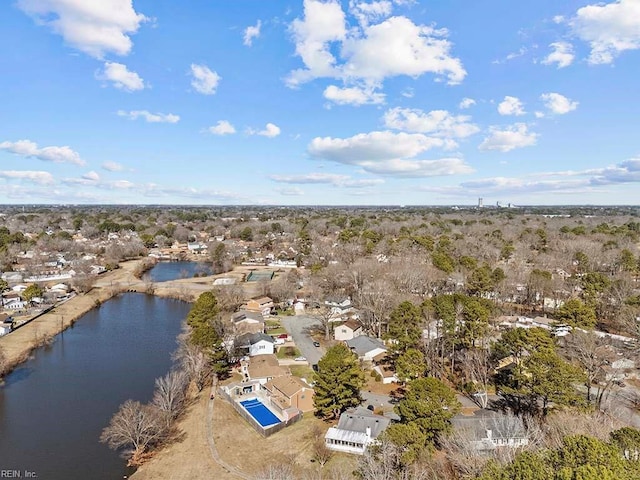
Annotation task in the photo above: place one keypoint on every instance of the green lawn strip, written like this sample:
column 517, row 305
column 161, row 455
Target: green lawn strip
column 288, row 352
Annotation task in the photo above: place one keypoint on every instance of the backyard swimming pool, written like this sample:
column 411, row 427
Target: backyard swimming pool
column 260, row 412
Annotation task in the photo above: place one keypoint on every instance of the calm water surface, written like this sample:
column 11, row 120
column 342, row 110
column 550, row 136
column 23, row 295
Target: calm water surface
column 54, row 407
column 165, row 271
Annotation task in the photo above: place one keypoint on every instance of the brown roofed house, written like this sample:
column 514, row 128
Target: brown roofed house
column 263, row 368
column 262, row 305
column 289, row 392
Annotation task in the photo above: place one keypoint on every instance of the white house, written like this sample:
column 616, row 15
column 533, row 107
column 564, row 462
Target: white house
column 347, row 330
column 339, row 306
column 256, row 344
column 356, row 430
column 487, row 430
column 366, row 348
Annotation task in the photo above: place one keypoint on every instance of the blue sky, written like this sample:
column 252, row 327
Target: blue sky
column 319, row 102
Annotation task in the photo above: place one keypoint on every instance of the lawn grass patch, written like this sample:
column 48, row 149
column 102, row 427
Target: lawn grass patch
column 288, row 352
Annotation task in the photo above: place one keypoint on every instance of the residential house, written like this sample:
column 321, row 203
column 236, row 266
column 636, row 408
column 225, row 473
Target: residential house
column 356, row 430
column 367, row 348
column 6, row 323
column 387, row 374
column 13, row 301
column 256, row 344
column 487, row 430
column 340, row 306
column 262, row 305
column 289, row 391
column 245, row 321
column 262, row 368
column 347, row 330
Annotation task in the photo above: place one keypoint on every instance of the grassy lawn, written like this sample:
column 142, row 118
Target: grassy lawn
column 302, row 371
column 274, row 327
column 288, row 352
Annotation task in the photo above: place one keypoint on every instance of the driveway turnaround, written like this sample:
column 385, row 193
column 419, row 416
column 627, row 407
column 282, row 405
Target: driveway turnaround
column 298, row 327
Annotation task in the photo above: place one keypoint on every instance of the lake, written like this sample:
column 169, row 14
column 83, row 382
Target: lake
column 165, row 271
column 54, row 406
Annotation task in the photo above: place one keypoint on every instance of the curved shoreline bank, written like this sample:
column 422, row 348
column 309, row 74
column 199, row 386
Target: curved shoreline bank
column 19, row 344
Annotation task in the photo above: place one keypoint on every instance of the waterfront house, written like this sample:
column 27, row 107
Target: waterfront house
column 356, row 430
column 246, row 321
column 288, row 391
column 255, row 344
column 262, row 368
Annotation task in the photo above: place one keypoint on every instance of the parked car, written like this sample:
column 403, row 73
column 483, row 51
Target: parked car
column 316, row 344
column 300, row 359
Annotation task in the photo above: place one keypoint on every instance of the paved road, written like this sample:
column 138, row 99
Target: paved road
column 298, row 327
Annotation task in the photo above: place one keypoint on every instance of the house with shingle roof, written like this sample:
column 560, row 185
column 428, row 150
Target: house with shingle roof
column 287, row 392
column 356, row 430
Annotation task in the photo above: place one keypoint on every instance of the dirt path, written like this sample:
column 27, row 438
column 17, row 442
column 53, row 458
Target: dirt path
column 189, row 458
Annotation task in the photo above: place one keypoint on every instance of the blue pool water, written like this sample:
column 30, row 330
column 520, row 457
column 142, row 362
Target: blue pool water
column 262, row 414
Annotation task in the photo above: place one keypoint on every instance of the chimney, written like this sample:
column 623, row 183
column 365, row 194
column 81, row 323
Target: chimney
column 368, row 431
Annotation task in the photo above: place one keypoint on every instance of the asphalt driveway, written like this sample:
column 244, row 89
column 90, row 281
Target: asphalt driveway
column 298, row 327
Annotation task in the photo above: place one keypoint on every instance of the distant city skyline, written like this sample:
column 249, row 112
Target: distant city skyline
column 309, row 102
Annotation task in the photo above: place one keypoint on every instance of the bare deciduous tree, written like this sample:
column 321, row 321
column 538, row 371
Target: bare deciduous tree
column 592, row 354
column 194, row 362
column 169, row 395
column 134, row 428
column 229, row 297
column 277, row 472
column 478, row 368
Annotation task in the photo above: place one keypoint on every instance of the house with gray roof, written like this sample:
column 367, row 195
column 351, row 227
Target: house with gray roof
column 367, row 348
column 256, row 344
column 356, row 430
column 245, row 321
column 487, row 430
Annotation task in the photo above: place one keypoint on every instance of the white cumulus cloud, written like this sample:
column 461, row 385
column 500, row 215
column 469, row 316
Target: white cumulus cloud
column 353, row 95
column 368, row 53
column 511, row 106
column 223, row 127
column 510, row 138
column 150, row 117
column 93, row 27
column 205, row 81
column 466, row 103
column 251, row 32
column 270, row 130
column 387, row 153
column 367, row 12
column 609, row 28
column 121, row 77
column 439, row 123
column 29, row 149
column 558, row 104
column 562, row 55
column 37, row 176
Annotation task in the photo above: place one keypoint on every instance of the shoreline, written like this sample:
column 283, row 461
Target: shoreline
column 20, row 344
